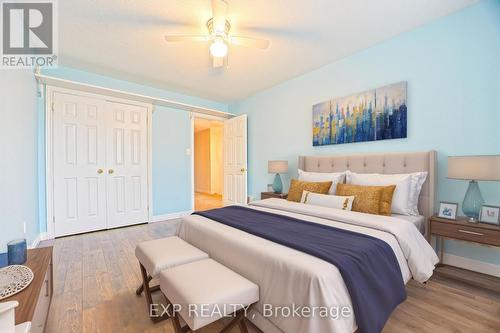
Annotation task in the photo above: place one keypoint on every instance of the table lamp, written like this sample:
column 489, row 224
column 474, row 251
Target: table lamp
column 277, row 167
column 474, row 168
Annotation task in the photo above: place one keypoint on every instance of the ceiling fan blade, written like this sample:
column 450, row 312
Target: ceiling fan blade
column 250, row 42
column 219, row 13
column 186, row 38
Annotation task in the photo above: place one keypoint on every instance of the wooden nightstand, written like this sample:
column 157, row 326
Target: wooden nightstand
column 479, row 233
column 34, row 301
column 267, row 195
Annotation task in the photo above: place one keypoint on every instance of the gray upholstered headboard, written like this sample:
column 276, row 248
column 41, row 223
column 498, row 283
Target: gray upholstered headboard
column 386, row 163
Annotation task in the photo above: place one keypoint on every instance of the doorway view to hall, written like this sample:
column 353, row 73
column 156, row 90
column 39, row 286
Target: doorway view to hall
column 208, row 163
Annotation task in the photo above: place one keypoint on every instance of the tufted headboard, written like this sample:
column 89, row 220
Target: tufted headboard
column 386, row 163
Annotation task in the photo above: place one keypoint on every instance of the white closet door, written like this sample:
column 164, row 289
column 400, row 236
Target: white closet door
column 127, row 165
column 235, row 161
column 79, row 162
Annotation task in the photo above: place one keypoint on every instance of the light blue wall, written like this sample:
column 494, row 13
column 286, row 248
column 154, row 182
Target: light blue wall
column 18, row 151
column 171, row 178
column 22, row 134
column 171, row 165
column 452, row 67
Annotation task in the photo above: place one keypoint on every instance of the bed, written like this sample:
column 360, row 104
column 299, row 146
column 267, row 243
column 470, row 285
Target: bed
column 286, row 276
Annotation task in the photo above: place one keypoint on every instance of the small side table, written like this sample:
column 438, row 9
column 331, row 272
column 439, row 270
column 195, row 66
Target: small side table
column 267, row 195
column 479, row 233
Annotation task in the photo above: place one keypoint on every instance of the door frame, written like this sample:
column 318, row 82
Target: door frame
column 192, row 116
column 49, row 146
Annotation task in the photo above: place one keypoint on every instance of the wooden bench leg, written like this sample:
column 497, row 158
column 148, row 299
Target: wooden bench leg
column 239, row 320
column 140, row 289
column 177, row 325
column 243, row 326
column 149, row 299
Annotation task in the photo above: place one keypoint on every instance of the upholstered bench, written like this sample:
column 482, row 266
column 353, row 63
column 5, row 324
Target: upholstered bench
column 159, row 254
column 205, row 291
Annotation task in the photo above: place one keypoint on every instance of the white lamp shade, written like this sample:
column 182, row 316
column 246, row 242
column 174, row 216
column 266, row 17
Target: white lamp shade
column 485, row 167
column 277, row 166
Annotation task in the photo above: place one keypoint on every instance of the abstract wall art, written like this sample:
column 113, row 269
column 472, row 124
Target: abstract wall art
column 377, row 114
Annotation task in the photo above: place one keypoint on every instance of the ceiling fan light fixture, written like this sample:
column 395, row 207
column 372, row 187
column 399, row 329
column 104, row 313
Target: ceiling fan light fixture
column 218, row 48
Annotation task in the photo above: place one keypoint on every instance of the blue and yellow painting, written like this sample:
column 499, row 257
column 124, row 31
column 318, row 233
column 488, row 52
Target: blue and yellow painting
column 377, row 114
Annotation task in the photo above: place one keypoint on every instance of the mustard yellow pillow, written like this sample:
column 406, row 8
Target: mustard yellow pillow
column 297, row 186
column 386, row 199
column 369, row 199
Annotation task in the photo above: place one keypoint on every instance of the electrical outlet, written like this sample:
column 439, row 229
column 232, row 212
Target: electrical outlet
column 188, row 151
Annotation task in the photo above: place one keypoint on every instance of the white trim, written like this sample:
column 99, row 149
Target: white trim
column 171, row 216
column 74, row 85
column 49, row 179
column 40, row 237
column 149, row 127
column 191, row 160
column 471, row 264
column 49, row 155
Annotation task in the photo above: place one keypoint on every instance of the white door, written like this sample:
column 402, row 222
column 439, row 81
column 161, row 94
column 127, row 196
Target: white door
column 79, row 134
column 235, row 161
column 127, row 165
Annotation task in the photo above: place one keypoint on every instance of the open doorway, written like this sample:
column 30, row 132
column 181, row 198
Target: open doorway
column 208, row 163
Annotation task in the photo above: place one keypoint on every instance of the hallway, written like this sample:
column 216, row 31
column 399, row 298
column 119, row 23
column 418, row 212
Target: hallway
column 205, row 201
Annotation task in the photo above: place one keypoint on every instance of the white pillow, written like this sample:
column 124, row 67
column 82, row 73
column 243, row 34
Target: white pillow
column 325, row 200
column 408, row 187
column 334, row 177
column 418, row 180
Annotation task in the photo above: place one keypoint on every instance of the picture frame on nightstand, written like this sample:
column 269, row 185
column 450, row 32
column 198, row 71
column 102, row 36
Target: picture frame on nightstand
column 448, row 210
column 490, row 214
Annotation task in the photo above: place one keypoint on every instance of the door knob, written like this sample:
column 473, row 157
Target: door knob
column 110, row 171
column 99, row 171
column 243, row 170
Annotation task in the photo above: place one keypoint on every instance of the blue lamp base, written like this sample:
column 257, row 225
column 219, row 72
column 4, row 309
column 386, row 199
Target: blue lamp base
column 17, row 252
column 472, row 202
column 277, row 184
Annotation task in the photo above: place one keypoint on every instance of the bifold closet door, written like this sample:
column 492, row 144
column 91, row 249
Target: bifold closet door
column 127, row 165
column 100, row 164
column 79, row 134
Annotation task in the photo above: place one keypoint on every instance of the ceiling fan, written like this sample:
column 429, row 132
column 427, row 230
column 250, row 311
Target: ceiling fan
column 218, row 35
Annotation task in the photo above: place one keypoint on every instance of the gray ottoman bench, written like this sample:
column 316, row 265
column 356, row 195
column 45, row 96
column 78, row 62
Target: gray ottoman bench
column 205, row 291
column 157, row 255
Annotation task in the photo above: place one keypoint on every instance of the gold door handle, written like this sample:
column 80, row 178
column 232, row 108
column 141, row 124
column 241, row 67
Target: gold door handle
column 110, row 171
column 243, row 170
column 99, row 171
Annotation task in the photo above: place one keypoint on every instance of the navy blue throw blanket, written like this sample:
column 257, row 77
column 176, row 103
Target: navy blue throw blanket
column 368, row 265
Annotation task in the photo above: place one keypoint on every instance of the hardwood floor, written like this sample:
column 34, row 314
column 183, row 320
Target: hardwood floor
column 95, row 276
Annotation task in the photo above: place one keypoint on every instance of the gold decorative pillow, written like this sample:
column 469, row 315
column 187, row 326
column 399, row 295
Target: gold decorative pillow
column 297, row 186
column 386, row 199
column 369, row 199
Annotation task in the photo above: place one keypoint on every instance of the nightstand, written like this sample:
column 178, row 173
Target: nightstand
column 479, row 233
column 267, row 195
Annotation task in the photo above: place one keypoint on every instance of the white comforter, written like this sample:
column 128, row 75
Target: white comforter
column 286, row 276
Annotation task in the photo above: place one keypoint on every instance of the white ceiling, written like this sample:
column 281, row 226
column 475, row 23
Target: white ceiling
column 125, row 38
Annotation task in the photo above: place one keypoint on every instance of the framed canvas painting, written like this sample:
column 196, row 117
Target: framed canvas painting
column 377, row 114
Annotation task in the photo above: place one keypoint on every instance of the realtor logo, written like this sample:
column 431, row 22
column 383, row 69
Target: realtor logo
column 28, row 34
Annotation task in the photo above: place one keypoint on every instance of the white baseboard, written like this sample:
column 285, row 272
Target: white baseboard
column 41, row 237
column 471, row 264
column 171, row 216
